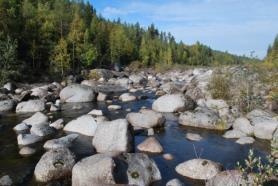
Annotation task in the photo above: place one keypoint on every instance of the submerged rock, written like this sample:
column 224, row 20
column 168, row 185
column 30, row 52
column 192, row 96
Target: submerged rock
column 174, row 182
column 114, row 107
column 6, row 181
column 31, row 106
column 227, row 178
column 245, row 140
column 7, row 105
column 27, row 139
column 150, row 145
column 94, row 170
column 193, row 137
column 200, row 169
column 145, row 119
column 77, row 93
column 54, row 164
column 113, row 136
column 85, row 125
column 42, row 130
column 234, row 134
column 27, row 151
column 126, row 97
column 169, row 103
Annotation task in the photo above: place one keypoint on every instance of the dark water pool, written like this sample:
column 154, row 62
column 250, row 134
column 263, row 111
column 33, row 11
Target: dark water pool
column 172, row 137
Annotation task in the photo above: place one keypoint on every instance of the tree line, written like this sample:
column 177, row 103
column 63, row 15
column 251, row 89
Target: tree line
column 66, row 36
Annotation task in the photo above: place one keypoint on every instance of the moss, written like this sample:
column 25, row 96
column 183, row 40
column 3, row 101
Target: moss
column 135, row 175
column 221, row 125
column 94, row 75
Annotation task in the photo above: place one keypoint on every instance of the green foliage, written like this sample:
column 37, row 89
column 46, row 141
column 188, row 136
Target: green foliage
column 260, row 172
column 219, row 86
column 272, row 53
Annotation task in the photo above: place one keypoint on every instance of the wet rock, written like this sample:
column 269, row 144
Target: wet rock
column 203, row 118
column 150, row 132
column 245, row 140
column 145, row 119
column 174, row 182
column 85, row 125
column 27, row 151
column 94, row 170
column 227, row 178
column 168, row 156
column 242, row 124
column 31, row 106
column 200, row 169
column 193, row 137
column 6, row 181
column 150, row 145
column 7, row 105
column 141, row 169
column 63, row 142
column 169, row 103
column 21, row 127
column 42, row 130
column 264, row 128
column 54, row 164
column 77, row 93
column 58, row 124
column 170, row 88
column 138, row 79
column 101, row 96
column 113, row 136
column 114, row 107
column 36, row 119
column 234, row 134
column 39, row 92
column 27, row 139
column 96, row 112
column 10, row 86
column 54, row 108
column 126, row 97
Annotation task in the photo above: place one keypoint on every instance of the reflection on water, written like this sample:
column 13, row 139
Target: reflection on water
column 172, row 138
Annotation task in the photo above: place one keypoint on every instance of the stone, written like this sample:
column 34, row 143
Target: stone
column 114, row 107
column 30, row 106
column 54, row 108
column 113, row 136
column 150, row 145
column 126, row 97
column 193, row 137
column 227, row 178
column 7, row 105
column 27, row 151
column 146, row 119
column 245, row 140
column 21, row 127
column 27, row 139
column 141, row 169
column 9, row 86
column 200, row 169
column 85, row 125
column 54, row 164
column 94, row 170
column 138, row 79
column 234, row 134
column 41, row 130
column 96, row 112
column 168, row 156
column 174, row 182
column 264, row 128
column 58, row 124
column 6, row 181
column 63, row 142
column 101, row 96
column 243, row 124
column 77, row 93
column 39, row 92
column 36, row 119
column 169, row 103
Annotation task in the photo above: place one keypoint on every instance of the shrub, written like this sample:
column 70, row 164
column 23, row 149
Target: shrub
column 219, row 86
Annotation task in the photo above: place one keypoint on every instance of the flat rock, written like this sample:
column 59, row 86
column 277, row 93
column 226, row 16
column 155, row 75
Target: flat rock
column 234, row 134
column 6, row 181
column 30, row 106
column 96, row 112
column 77, row 93
column 63, row 142
column 114, row 107
column 193, row 137
column 200, row 169
column 169, row 103
column 245, row 140
column 27, row 151
column 27, row 139
column 126, row 97
column 227, row 178
column 37, row 119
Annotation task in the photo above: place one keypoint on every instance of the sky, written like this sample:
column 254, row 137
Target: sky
column 236, row 26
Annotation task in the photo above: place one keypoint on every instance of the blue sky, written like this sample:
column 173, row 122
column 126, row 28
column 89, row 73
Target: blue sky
column 237, row 26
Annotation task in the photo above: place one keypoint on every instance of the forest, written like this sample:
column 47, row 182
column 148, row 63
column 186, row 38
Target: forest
column 61, row 37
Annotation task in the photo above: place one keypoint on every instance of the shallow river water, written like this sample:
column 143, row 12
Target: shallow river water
column 172, row 137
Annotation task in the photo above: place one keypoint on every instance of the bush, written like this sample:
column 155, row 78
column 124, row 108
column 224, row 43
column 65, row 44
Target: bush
column 219, row 86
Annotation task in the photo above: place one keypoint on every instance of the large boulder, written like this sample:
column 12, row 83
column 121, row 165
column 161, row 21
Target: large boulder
column 203, row 118
column 95, row 170
column 150, row 145
column 113, row 136
column 54, row 164
column 138, row 79
column 63, row 142
column 36, row 119
column 85, row 125
column 169, row 103
column 7, row 105
column 77, row 93
column 227, row 178
column 145, row 119
column 200, row 169
column 141, row 169
column 243, row 124
column 31, row 106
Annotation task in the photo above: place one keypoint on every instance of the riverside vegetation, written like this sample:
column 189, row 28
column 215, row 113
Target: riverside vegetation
column 79, row 122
